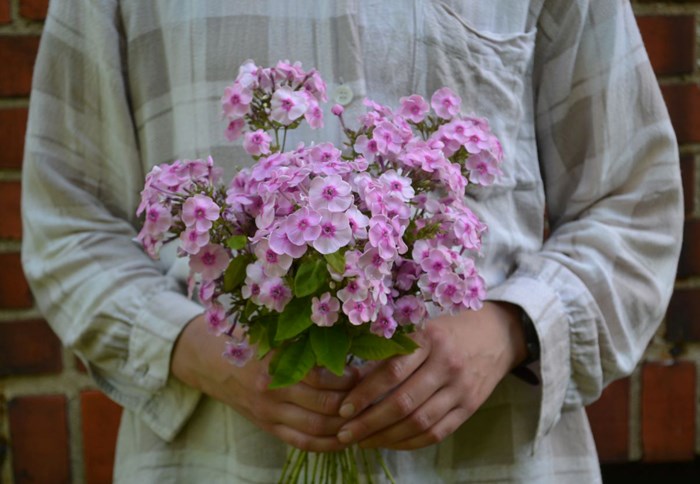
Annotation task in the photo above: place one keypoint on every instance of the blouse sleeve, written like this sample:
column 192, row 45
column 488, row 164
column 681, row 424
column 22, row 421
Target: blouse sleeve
column 598, row 288
column 82, row 174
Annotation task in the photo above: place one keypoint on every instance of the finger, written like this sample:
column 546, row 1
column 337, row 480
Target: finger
column 306, row 442
column 436, row 434
column 417, row 423
column 397, row 406
column 326, row 402
column 379, row 382
column 307, row 422
column 323, row 379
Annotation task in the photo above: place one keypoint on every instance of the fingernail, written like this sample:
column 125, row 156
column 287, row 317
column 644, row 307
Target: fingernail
column 347, row 410
column 345, row 436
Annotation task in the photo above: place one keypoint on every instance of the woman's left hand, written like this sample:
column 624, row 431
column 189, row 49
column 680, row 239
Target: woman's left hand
column 423, row 397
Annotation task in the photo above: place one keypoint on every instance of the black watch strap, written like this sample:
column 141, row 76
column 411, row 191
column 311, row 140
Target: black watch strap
column 532, row 344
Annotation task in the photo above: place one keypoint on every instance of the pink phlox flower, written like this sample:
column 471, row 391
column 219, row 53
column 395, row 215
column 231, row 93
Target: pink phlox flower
column 436, row 264
column 384, row 111
column 236, row 101
column 287, row 106
column 234, row 129
column 330, row 193
column 385, row 324
column 293, row 73
column 414, row 107
column 324, row 310
column 407, row 274
column 335, row 232
column 275, row 294
column 206, row 292
column 158, row 219
column 383, row 237
column 302, row 226
column 316, row 86
column 476, row 140
column 211, row 261
column 398, row 184
column 314, row 113
column 248, row 75
column 151, row 245
column 380, row 289
column 358, row 223
column 352, row 268
column 358, row 312
column 451, row 176
column 274, row 264
column 475, row 294
column 266, row 167
column 409, row 310
column 191, row 240
column 445, row 103
column 465, row 266
column 450, row 291
column 356, row 290
column 237, row 353
column 483, row 168
column 427, row 286
column 200, row 212
column 266, row 217
column 255, row 275
column 337, row 110
column 257, row 143
column 373, row 265
column 279, row 242
column 324, row 153
column 396, row 208
column 215, row 316
column 445, row 136
column 421, row 251
column 481, row 123
column 358, row 165
column 467, row 228
column 388, row 138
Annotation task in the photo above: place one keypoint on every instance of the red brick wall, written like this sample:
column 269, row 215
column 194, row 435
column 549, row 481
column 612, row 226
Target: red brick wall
column 54, row 427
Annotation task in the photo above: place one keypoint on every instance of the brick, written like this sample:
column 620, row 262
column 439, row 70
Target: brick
column 5, row 15
column 683, row 316
column 33, row 9
column 13, row 125
column 29, row 347
column 18, row 52
column 14, row 290
column 669, row 40
column 39, row 439
column 668, row 412
column 683, row 102
column 609, row 418
column 100, row 419
column 11, row 226
column 689, row 262
column 688, row 178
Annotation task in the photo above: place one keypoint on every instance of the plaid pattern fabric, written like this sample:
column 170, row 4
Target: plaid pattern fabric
column 123, row 85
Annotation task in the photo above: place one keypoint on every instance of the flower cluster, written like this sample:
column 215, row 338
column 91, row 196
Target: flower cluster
column 354, row 246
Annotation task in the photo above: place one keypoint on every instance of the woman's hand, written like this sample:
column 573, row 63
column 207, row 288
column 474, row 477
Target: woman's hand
column 423, row 397
column 304, row 415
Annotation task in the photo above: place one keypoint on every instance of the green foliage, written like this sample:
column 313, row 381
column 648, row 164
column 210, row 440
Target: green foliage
column 310, row 277
column 292, row 363
column 295, row 318
column 235, row 272
column 236, row 242
column 337, row 261
column 331, row 347
column 372, row 347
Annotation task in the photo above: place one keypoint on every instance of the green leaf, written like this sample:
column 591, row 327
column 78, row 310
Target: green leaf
column 406, row 342
column 259, row 334
column 292, row 364
column 310, row 276
column 337, row 261
column 235, row 272
column 331, row 347
column 295, row 318
column 236, row 242
column 373, row 347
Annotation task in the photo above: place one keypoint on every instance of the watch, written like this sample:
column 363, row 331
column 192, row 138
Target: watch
column 532, row 345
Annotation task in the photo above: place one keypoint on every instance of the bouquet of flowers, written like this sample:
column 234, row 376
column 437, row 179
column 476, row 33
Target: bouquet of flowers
column 323, row 253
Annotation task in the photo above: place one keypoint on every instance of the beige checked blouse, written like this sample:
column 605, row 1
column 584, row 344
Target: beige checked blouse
column 123, row 85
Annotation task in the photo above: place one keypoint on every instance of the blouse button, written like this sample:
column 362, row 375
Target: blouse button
column 343, row 95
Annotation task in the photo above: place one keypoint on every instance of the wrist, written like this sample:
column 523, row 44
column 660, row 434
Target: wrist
column 185, row 356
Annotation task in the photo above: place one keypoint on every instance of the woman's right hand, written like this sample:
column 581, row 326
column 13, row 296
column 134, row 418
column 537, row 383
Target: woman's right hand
column 304, row 415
